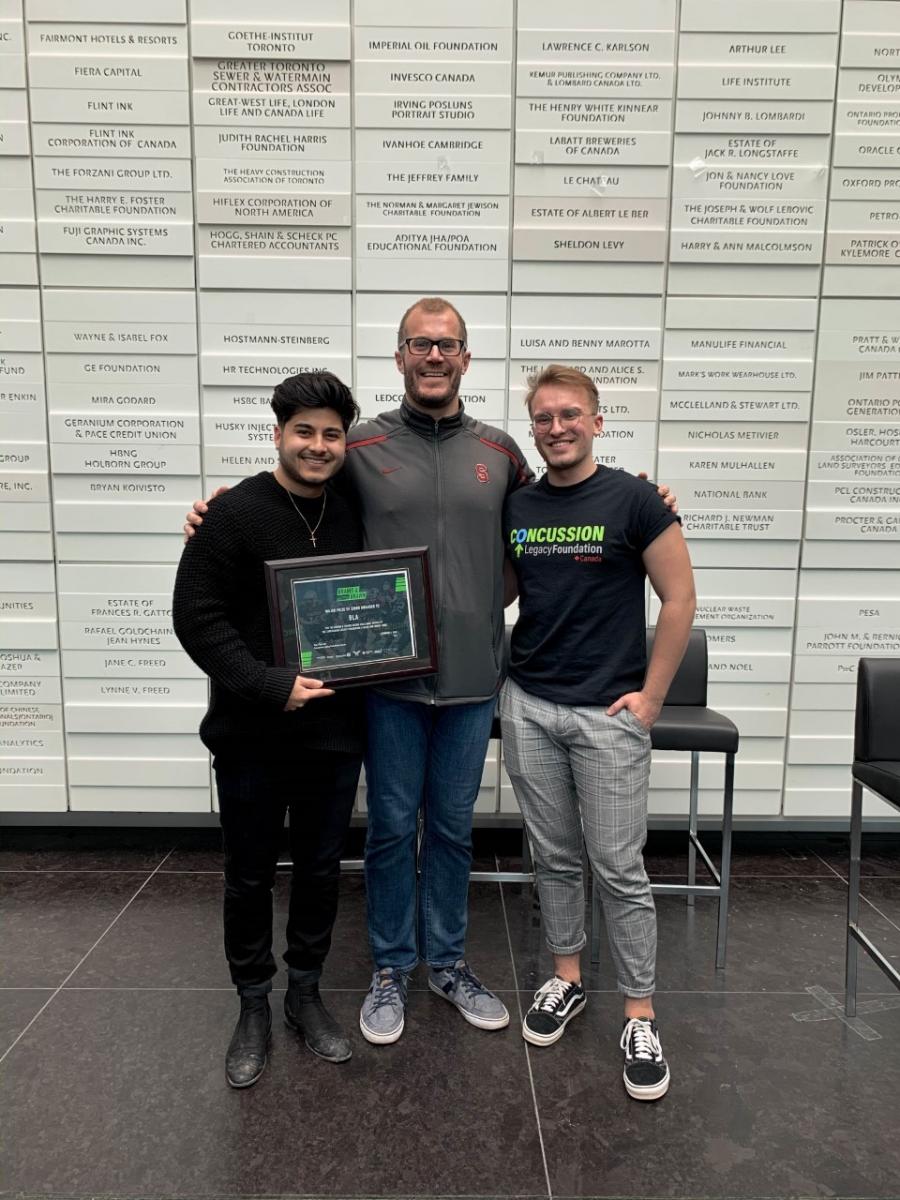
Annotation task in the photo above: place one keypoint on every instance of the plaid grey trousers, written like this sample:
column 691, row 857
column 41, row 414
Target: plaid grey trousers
column 581, row 777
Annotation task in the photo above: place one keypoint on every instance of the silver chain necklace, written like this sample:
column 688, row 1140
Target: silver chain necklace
column 312, row 530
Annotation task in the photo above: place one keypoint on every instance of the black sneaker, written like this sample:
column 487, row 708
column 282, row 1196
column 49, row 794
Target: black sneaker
column 646, row 1072
column 555, row 1004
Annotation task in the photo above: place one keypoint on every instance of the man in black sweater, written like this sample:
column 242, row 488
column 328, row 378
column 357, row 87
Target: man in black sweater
column 280, row 741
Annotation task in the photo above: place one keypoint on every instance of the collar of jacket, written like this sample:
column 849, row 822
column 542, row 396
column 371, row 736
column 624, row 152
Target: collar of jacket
column 422, row 424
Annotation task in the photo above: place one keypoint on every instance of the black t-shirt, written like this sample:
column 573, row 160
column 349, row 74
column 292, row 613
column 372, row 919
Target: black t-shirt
column 580, row 636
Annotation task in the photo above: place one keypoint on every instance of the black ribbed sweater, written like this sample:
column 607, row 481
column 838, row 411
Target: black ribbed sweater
column 220, row 614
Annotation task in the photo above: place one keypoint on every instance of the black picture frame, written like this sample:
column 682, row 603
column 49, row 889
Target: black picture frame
column 353, row 619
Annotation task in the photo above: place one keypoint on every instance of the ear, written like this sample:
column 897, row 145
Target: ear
column 466, row 359
column 398, row 359
column 276, row 435
column 598, row 424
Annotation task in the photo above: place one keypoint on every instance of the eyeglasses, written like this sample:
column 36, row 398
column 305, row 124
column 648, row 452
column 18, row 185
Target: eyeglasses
column 568, row 417
column 420, row 346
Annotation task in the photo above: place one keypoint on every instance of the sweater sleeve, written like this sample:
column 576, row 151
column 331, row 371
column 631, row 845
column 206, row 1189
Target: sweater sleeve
column 210, row 562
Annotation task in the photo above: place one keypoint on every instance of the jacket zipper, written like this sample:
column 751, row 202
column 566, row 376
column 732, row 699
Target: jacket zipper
column 439, row 564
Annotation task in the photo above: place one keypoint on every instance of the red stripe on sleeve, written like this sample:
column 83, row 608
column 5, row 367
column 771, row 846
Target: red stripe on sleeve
column 520, row 473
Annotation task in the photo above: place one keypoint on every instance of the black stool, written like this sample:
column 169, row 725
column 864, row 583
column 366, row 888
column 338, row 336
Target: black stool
column 876, row 766
column 686, row 723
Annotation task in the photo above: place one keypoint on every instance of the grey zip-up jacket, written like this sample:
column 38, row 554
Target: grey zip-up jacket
column 442, row 484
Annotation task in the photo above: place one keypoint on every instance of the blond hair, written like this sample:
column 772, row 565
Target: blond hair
column 567, row 377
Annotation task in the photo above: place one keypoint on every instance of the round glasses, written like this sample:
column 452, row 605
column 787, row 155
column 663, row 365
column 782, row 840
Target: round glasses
column 568, row 417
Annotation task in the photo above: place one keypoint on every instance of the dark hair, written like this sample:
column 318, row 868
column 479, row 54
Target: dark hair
column 314, row 390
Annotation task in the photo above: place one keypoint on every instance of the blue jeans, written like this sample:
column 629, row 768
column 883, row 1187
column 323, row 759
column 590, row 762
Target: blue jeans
column 428, row 757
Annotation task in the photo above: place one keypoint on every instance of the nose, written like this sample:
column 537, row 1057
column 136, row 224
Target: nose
column 317, row 443
column 555, row 420
column 434, row 354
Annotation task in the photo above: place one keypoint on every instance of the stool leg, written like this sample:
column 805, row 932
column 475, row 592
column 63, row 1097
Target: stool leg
column 692, row 823
column 853, row 898
column 725, row 867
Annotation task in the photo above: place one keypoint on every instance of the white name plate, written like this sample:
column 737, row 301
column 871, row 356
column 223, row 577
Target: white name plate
column 273, row 40
column 876, row 525
column 400, row 43
column 151, row 74
column 24, row 486
column 854, row 216
column 118, row 41
column 774, row 150
column 838, row 405
column 767, row 245
column 745, row 314
column 14, row 140
column 750, row 16
column 462, row 178
column 20, row 369
column 119, row 367
column 582, row 14
column 854, row 466
column 266, row 369
column 755, row 668
column 871, row 118
column 856, row 150
column 725, row 495
column 142, row 634
column 724, row 406
column 56, row 205
column 155, row 664
column 433, row 111
column 641, row 148
column 448, row 242
column 71, row 336
column 257, row 146
column 136, row 691
column 32, row 771
column 568, row 114
column 739, row 375
column 232, row 431
column 870, row 49
column 609, row 376
column 762, row 50
column 113, row 141
column 621, row 343
column 20, row 665
column 180, row 488
column 239, row 402
column 844, row 638
column 579, row 245
column 681, row 434
column 124, row 175
column 492, row 78
column 269, row 208
column 862, row 248
column 750, row 614
column 419, row 211
column 854, row 495
column 101, row 606
column 883, row 84
column 274, row 242
column 265, row 108
column 588, row 47
column 116, row 396
column 768, row 344
column 382, row 372
column 834, row 435
column 141, row 108
column 24, row 456
column 225, row 460
column 93, row 775
column 733, row 464
column 146, row 458
column 485, row 405
column 620, row 186
column 323, row 340
column 259, row 175
column 590, row 213
column 608, row 79
column 169, row 429
column 17, row 236
column 749, row 182
column 756, row 116
column 751, row 80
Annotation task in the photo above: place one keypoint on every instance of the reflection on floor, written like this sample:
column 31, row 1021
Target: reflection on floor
column 116, row 1008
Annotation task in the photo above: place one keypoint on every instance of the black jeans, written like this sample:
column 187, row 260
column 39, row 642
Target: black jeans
column 318, row 789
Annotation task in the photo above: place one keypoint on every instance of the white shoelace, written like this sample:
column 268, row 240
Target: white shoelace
column 646, row 1043
column 552, row 994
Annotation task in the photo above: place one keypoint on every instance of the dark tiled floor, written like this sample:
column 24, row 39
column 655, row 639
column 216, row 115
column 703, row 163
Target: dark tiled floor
column 115, row 1009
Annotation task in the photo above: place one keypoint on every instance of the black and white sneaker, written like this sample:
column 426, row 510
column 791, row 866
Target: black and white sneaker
column 646, row 1072
column 555, row 1004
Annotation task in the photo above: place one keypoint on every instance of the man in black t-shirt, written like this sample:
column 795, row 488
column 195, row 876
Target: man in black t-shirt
column 580, row 700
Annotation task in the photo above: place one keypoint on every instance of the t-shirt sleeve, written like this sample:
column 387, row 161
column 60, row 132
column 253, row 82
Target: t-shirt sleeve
column 653, row 518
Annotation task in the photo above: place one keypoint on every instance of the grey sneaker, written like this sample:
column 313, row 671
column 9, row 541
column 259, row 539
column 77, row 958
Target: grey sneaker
column 462, row 987
column 382, row 1014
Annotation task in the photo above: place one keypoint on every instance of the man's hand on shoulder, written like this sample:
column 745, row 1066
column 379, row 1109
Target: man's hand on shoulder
column 640, row 705
column 668, row 497
column 304, row 690
column 195, row 517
